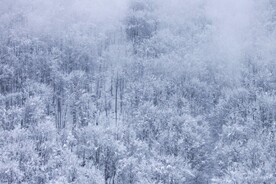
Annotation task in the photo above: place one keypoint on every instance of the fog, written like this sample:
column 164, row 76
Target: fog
column 57, row 15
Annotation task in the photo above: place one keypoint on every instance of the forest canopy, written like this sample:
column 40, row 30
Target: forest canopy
column 137, row 91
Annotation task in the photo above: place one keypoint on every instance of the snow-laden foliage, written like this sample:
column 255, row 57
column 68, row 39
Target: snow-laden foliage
column 137, row 91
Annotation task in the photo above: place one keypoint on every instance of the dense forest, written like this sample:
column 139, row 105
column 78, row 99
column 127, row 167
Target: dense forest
column 137, row 91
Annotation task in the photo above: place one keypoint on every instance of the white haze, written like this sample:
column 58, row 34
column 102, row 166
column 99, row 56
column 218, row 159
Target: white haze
column 58, row 15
